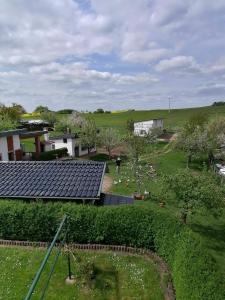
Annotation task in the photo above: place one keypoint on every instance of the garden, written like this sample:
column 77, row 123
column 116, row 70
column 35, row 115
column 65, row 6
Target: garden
column 97, row 276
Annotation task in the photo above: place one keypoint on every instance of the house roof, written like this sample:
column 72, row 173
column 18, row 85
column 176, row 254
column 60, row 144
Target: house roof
column 6, row 133
column 64, row 136
column 51, row 179
column 148, row 121
column 29, row 134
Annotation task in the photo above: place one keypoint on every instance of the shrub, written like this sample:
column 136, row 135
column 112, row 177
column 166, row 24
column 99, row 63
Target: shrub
column 194, row 272
column 53, row 154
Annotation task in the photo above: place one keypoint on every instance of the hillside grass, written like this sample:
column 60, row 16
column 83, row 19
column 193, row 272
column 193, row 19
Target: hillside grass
column 173, row 120
column 115, row 276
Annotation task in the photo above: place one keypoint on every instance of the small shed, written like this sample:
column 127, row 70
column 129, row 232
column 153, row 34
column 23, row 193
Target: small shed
column 144, row 128
column 70, row 141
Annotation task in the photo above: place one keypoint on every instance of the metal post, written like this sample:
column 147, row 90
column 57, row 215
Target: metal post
column 38, row 274
column 68, row 254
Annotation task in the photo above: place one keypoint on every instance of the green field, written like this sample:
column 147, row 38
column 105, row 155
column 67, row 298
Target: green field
column 98, row 276
column 172, row 120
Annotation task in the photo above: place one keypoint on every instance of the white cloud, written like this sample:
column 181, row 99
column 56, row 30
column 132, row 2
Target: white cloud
column 109, row 50
column 178, row 64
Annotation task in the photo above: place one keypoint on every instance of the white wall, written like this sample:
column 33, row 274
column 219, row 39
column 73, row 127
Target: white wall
column 83, row 152
column 16, row 142
column 143, row 128
column 69, row 145
column 4, row 148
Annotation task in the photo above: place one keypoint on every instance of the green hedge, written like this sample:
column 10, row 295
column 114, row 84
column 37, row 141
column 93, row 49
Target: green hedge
column 194, row 272
column 53, row 154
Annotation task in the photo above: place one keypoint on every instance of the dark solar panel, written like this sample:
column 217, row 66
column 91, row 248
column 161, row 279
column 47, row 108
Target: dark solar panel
column 110, row 199
column 54, row 179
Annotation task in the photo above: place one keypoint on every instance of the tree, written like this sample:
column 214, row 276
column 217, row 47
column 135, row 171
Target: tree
column 21, row 110
column 109, row 139
column 49, row 116
column 195, row 143
column 153, row 135
column 72, row 123
column 89, row 134
column 194, row 192
column 136, row 147
column 99, row 111
column 193, row 138
column 6, row 123
column 10, row 112
column 130, row 126
column 41, row 109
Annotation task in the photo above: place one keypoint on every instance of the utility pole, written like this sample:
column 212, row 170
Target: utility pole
column 169, row 99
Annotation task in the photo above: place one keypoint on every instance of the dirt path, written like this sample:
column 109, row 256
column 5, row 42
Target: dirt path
column 107, row 183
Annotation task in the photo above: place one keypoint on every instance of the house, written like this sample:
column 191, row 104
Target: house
column 10, row 148
column 79, row 181
column 68, row 140
column 143, row 128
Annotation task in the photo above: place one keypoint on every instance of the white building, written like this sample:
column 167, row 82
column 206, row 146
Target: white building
column 10, row 148
column 143, row 128
column 70, row 141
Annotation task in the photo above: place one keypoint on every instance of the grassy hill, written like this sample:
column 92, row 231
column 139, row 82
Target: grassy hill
column 172, row 120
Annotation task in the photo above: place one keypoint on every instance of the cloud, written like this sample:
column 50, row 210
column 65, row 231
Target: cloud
column 110, row 52
column 212, row 89
column 178, row 64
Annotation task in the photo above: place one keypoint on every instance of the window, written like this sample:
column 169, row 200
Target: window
column 53, row 146
column 143, row 132
column 64, row 140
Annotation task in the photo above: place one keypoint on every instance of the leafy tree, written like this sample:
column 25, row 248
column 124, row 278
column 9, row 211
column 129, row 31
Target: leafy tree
column 21, row 110
column 11, row 112
column 153, row 135
column 194, row 192
column 193, row 138
column 41, row 109
column 6, row 123
column 49, row 116
column 195, row 143
column 99, row 111
column 109, row 139
column 89, row 134
column 72, row 123
column 136, row 147
column 130, row 126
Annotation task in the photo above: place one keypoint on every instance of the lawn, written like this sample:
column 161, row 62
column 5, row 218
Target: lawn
column 98, row 276
column 167, row 160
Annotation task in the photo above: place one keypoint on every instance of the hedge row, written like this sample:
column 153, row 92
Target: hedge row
column 194, row 272
column 53, row 154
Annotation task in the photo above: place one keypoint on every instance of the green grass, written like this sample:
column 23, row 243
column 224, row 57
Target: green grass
column 176, row 118
column 167, row 160
column 113, row 276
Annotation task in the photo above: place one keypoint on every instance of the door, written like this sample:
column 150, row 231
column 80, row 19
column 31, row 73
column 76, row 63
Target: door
column 77, row 153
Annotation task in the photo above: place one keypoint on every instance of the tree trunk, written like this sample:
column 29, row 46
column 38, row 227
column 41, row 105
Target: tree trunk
column 109, row 150
column 211, row 158
column 189, row 160
column 184, row 218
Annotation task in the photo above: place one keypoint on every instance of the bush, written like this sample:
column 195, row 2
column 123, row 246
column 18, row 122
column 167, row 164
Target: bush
column 53, row 154
column 194, row 272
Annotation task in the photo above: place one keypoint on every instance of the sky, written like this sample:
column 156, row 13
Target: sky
column 112, row 54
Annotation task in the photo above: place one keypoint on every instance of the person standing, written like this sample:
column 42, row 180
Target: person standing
column 118, row 164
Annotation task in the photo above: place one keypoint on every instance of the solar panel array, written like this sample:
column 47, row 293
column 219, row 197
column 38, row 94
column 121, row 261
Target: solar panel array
column 51, row 179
